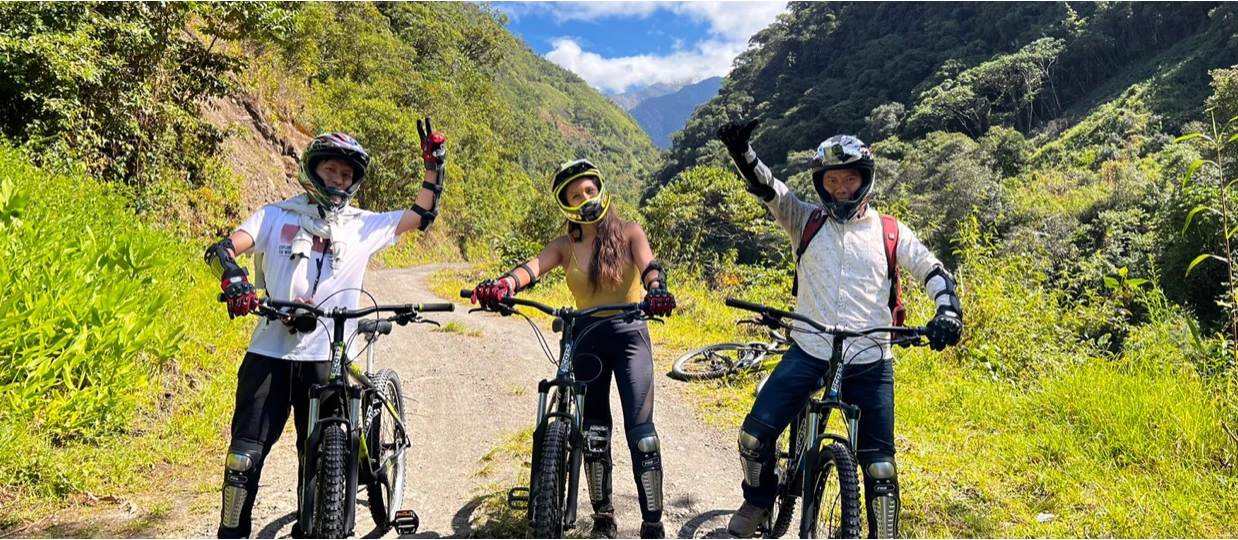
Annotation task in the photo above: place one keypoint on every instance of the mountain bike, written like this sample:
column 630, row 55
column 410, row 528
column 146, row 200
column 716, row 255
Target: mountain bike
column 554, row 482
column 357, row 433
column 814, row 464
column 722, row 359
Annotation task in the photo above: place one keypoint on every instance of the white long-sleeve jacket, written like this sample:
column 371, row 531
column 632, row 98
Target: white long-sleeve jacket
column 843, row 278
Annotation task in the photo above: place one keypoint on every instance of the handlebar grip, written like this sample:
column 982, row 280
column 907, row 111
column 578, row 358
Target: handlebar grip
column 370, row 326
column 442, row 306
column 466, row 293
column 732, row 302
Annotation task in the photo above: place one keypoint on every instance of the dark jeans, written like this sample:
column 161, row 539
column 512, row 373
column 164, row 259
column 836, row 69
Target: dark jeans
column 267, row 390
column 867, row 386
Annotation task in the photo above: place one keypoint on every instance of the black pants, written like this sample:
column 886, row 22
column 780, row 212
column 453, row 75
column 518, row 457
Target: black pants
column 867, row 386
column 267, row 389
column 620, row 350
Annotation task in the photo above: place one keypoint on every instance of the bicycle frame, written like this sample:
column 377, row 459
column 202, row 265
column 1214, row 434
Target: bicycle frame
column 563, row 396
column 343, row 403
column 809, row 429
column 567, row 401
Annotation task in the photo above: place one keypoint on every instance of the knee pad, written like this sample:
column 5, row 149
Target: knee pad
column 647, row 462
column 241, row 468
column 598, row 465
column 881, row 494
column 756, row 448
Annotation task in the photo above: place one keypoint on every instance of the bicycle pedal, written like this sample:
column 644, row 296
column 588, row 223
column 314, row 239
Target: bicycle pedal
column 518, row 498
column 406, row 522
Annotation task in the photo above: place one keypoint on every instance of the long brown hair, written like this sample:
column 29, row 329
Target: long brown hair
column 610, row 251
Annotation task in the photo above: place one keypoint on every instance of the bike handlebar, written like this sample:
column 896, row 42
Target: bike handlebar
column 271, row 304
column 764, row 310
column 564, row 313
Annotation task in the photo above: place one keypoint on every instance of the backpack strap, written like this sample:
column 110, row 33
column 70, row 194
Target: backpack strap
column 816, row 220
column 889, row 235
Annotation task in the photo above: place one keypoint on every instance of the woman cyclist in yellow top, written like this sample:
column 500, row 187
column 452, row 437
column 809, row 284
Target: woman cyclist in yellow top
column 608, row 261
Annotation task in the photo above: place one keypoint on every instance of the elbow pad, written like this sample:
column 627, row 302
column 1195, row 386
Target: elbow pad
column 219, row 257
column 428, row 215
column 654, row 266
column 948, row 289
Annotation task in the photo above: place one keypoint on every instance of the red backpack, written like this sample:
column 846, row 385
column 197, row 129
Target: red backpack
column 889, row 233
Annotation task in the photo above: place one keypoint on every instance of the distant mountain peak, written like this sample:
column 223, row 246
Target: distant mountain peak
column 628, row 100
column 663, row 115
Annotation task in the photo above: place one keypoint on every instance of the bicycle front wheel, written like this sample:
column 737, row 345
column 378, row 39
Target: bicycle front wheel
column 388, row 455
column 713, row 362
column 331, row 483
column 789, row 483
column 550, row 480
column 832, row 496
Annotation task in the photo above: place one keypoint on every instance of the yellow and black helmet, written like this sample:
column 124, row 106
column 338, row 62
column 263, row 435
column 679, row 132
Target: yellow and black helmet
column 590, row 211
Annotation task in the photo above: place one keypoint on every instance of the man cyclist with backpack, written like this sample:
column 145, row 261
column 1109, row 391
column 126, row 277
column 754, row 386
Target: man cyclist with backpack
column 311, row 248
column 847, row 264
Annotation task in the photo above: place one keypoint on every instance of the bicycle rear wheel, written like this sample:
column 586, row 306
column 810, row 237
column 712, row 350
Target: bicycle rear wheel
column 550, row 480
column 712, row 362
column 385, row 490
column 832, row 496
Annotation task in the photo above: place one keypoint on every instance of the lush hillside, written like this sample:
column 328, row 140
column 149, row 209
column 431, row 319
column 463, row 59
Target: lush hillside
column 988, row 106
column 1032, row 146
column 510, row 116
column 663, row 115
column 878, row 69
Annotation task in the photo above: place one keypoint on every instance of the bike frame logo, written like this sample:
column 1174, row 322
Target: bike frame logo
column 335, row 360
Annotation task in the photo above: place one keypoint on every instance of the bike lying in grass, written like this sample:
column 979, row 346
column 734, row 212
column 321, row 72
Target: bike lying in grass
column 357, row 433
column 724, row 359
column 558, row 443
column 814, row 464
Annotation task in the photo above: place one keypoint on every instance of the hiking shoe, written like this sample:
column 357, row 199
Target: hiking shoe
column 746, row 520
column 652, row 530
column 604, row 526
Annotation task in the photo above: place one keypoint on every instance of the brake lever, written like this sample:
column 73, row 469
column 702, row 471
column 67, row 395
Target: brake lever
column 420, row 320
column 917, row 341
column 502, row 309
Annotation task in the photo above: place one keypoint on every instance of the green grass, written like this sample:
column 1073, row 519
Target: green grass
column 507, row 465
column 139, row 397
column 458, row 328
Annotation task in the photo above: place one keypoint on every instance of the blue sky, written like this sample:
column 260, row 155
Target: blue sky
column 623, row 46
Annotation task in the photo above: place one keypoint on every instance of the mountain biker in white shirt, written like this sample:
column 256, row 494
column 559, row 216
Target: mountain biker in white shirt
column 846, row 276
column 311, row 248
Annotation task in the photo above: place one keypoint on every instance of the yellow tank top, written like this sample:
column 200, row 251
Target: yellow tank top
column 607, row 293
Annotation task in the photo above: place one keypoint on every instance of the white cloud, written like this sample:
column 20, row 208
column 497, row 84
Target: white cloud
column 709, row 58
column 730, row 25
column 729, row 20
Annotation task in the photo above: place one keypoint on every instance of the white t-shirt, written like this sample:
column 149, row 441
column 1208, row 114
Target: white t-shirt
column 330, row 283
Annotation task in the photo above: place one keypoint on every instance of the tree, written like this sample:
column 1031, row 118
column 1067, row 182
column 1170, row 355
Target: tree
column 884, row 121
